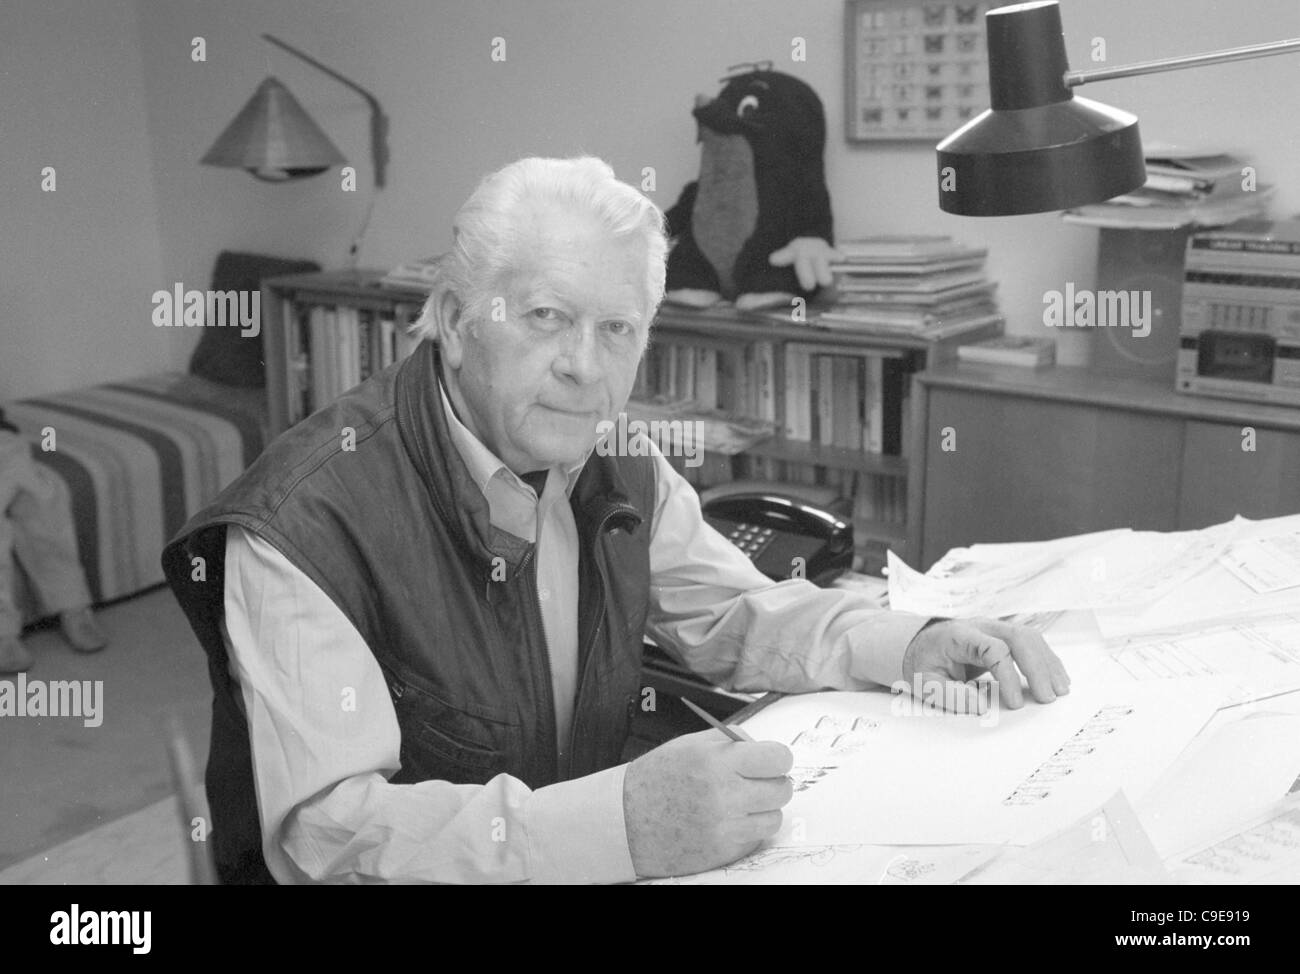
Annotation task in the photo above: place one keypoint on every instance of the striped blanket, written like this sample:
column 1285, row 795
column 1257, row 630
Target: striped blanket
column 139, row 458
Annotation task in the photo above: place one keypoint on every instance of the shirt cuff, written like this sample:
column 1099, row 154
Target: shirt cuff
column 880, row 645
column 576, row 831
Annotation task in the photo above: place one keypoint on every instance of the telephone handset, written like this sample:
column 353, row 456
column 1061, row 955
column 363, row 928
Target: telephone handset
column 784, row 537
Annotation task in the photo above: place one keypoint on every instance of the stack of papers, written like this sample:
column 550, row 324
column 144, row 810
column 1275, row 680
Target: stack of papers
column 1184, row 187
column 1171, row 759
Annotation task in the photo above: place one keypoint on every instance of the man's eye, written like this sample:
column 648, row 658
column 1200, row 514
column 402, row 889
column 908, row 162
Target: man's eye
column 619, row 327
column 545, row 314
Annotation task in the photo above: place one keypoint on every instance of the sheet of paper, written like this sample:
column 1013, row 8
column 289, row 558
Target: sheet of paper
column 1104, row 570
column 1268, row 564
column 1257, row 657
column 1265, row 850
column 882, row 768
column 1214, row 594
column 1107, row 846
column 983, row 579
column 843, row 864
column 1244, row 767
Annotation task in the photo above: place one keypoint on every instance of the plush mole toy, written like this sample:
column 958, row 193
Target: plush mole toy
column 755, row 228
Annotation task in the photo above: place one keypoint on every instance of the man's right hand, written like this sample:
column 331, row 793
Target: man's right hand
column 701, row 801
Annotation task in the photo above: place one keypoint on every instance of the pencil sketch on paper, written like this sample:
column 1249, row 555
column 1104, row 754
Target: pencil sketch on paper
column 910, row 870
column 832, row 738
column 804, row 777
column 1253, row 850
column 1038, row 785
column 819, row 855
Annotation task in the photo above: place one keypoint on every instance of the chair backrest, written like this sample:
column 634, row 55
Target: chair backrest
column 195, row 823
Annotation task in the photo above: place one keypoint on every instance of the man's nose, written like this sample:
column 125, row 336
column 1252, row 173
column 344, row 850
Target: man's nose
column 580, row 360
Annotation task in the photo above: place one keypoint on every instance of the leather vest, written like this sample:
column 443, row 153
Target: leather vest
column 371, row 500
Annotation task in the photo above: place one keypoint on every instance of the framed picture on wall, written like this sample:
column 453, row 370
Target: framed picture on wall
column 914, row 69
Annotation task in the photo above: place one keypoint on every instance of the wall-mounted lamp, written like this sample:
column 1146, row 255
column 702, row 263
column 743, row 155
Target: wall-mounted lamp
column 1038, row 147
column 275, row 139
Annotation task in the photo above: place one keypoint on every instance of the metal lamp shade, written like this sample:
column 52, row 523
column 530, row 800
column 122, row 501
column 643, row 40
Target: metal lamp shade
column 1038, row 147
column 274, row 138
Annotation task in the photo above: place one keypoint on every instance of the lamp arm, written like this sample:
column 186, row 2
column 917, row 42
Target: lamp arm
column 1073, row 78
column 378, row 120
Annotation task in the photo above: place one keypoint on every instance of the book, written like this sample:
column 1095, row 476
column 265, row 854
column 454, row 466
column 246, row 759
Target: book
column 881, row 269
column 825, row 400
column 414, row 275
column 920, row 300
column 906, row 248
column 1210, row 211
column 798, row 380
column 908, row 318
column 1010, row 350
column 835, row 321
column 923, row 283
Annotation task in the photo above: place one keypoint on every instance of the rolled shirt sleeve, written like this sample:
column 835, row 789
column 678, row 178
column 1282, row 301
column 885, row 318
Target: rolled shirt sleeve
column 325, row 739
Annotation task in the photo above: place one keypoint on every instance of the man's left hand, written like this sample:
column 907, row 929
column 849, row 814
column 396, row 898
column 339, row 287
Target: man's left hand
column 956, row 651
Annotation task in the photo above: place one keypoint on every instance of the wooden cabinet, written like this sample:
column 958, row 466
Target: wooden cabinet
column 1008, row 454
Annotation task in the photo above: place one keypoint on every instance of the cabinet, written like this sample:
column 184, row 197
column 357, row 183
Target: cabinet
column 1008, row 454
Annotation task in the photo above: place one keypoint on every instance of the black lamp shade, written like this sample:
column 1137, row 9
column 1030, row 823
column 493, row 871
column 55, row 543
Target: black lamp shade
column 274, row 138
column 1037, row 148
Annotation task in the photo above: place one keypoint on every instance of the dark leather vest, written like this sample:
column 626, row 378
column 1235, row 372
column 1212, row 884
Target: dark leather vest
column 395, row 531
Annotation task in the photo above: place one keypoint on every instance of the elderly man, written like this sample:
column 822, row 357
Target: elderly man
column 425, row 638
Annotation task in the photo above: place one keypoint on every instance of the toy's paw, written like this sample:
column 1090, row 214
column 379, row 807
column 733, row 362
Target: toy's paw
column 812, row 258
column 764, row 299
column 693, row 297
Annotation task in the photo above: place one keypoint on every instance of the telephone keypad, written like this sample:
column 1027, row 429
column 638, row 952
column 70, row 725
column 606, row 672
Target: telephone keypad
column 750, row 538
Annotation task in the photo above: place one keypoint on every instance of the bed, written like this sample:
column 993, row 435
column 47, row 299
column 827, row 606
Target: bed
column 138, row 459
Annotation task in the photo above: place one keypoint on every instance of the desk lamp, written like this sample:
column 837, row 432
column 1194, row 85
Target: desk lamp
column 1038, row 147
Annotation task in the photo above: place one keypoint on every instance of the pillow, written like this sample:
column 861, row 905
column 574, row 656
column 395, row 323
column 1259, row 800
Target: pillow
column 223, row 354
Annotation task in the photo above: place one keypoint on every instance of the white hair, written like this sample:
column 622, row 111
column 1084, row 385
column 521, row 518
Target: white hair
column 488, row 229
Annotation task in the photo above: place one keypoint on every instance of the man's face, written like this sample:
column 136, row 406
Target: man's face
column 537, row 384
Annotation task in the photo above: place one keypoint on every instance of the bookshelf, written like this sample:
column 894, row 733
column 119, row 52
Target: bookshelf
column 872, row 477
column 325, row 332
column 847, row 433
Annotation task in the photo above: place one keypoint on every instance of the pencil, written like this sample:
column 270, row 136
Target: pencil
column 735, row 733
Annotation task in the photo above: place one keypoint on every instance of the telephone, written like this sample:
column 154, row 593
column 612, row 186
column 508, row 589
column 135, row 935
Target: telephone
column 774, row 531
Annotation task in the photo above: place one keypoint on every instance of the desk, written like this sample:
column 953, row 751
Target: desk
column 1044, row 453
column 1201, row 792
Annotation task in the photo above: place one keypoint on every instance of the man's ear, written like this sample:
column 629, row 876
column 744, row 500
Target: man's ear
column 452, row 327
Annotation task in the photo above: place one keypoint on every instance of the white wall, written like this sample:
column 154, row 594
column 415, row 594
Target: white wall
column 610, row 77
column 77, row 264
column 617, row 78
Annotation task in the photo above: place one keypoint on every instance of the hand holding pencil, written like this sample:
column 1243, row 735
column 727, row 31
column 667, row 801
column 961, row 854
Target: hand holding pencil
column 699, row 801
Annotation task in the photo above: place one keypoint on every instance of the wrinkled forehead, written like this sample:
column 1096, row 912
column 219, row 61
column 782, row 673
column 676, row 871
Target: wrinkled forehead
column 573, row 255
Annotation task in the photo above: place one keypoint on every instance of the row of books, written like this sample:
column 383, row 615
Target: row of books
column 1184, row 187
column 738, row 379
column 928, row 285
column 843, row 396
column 333, row 348
column 833, row 395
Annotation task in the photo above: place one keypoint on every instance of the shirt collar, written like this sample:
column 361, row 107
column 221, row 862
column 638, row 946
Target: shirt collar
column 483, row 464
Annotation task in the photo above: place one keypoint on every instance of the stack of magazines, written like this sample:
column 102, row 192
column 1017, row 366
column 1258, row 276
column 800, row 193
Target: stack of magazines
column 415, row 274
column 1184, row 187
column 930, row 285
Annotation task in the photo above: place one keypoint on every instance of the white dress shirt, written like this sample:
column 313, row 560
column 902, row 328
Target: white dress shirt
column 328, row 812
